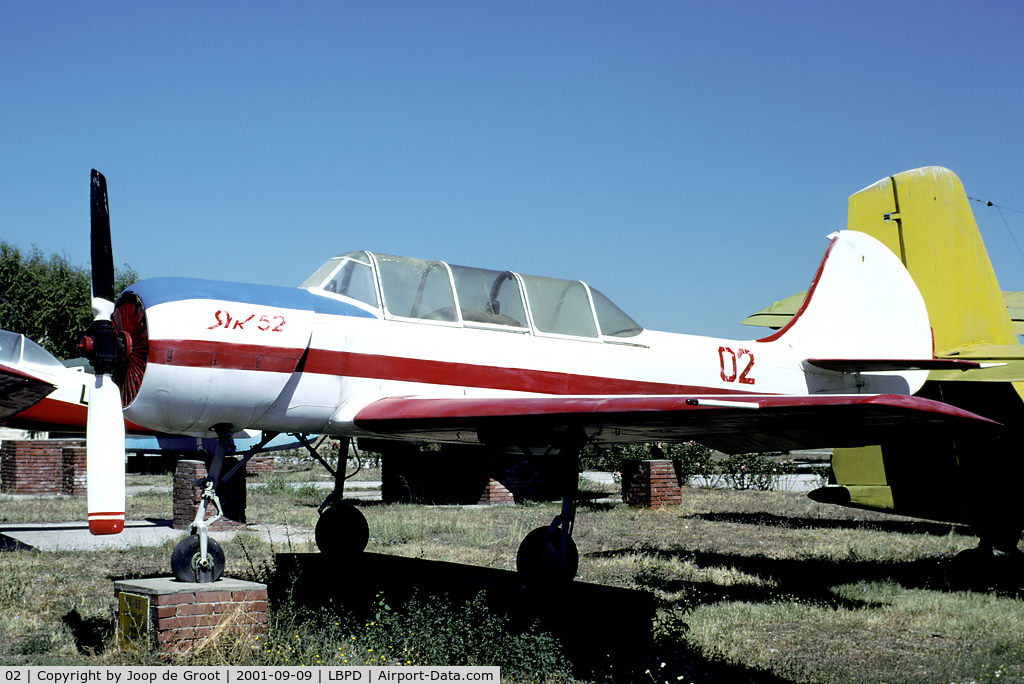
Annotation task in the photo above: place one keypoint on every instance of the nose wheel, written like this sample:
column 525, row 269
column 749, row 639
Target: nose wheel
column 190, row 564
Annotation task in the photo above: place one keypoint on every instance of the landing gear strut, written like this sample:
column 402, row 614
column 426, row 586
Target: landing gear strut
column 548, row 555
column 341, row 528
column 197, row 557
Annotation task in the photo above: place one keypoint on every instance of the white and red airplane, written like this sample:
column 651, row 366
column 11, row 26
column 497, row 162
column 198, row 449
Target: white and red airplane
column 388, row 347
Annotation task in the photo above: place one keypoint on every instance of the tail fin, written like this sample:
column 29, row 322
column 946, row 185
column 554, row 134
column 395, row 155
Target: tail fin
column 862, row 307
column 924, row 217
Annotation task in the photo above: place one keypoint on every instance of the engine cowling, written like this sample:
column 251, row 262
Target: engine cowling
column 201, row 353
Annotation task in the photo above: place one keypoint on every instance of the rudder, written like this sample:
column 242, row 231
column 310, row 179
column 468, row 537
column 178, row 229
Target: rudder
column 924, row 217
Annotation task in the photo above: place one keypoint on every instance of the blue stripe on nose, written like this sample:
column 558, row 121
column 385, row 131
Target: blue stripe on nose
column 163, row 290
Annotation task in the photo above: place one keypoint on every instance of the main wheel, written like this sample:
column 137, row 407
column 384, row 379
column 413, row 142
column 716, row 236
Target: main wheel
column 342, row 529
column 538, row 561
column 186, row 561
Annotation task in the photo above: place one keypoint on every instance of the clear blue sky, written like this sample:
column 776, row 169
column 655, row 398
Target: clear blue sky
column 685, row 158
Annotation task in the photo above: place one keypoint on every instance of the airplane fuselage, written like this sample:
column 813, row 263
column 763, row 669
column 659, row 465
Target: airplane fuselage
column 308, row 359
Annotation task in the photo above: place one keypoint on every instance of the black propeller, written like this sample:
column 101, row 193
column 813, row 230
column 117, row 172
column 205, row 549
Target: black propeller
column 105, row 422
column 102, row 254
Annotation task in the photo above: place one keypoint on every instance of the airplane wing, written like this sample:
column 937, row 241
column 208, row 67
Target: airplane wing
column 20, row 390
column 746, row 423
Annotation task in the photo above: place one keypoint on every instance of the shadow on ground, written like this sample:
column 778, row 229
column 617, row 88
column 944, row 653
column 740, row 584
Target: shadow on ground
column 811, row 581
column 802, row 523
column 605, row 632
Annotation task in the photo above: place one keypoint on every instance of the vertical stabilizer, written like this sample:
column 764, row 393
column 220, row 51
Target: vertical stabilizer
column 924, row 217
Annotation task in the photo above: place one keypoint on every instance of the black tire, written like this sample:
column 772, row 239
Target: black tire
column 537, row 560
column 185, row 561
column 342, row 529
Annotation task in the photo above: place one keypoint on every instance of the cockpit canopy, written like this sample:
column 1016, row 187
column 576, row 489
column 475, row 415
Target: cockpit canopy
column 19, row 351
column 418, row 289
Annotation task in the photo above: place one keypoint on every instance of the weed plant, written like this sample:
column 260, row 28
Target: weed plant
column 759, row 471
column 421, row 632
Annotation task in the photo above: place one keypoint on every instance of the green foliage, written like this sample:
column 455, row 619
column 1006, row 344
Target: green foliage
column 48, row 299
column 421, row 632
column 610, row 458
column 755, row 471
column 693, row 459
column 742, row 471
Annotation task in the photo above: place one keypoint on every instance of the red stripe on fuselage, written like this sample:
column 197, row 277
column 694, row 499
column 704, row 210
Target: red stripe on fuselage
column 488, row 377
column 204, row 354
column 197, row 354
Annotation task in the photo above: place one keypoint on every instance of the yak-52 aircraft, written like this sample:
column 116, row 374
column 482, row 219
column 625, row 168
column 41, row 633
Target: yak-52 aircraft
column 396, row 348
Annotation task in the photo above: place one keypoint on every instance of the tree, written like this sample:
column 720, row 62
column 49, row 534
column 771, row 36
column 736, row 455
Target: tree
column 48, row 300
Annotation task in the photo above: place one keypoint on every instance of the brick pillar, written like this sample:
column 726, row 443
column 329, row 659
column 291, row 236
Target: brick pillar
column 73, row 476
column 260, row 465
column 495, row 493
column 163, row 614
column 187, row 496
column 34, row 466
column 654, row 484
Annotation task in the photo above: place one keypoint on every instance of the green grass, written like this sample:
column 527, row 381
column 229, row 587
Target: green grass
column 756, row 586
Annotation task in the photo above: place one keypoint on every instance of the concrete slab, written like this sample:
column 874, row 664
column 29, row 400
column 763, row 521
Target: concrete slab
column 73, row 536
column 153, row 586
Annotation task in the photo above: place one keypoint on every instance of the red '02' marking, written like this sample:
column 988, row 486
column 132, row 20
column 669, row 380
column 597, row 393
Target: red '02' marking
column 729, row 362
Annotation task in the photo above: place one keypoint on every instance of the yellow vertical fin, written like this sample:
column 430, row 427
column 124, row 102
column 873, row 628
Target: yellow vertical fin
column 924, row 217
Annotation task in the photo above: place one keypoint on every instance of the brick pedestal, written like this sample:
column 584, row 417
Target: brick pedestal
column 165, row 615
column 652, row 484
column 495, row 494
column 260, row 465
column 43, row 466
column 187, row 496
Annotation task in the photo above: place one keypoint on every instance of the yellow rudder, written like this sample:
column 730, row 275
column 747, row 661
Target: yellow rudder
column 924, row 217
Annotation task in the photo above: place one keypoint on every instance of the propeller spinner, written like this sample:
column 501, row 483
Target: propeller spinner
column 102, row 346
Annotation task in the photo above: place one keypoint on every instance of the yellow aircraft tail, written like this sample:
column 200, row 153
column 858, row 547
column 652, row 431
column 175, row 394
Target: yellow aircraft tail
column 924, row 217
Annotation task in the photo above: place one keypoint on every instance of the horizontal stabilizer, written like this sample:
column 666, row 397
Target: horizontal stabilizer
column 882, row 365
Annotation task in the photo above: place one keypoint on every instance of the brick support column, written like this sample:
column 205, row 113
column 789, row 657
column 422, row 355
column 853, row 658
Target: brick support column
column 73, row 475
column 495, row 494
column 165, row 615
column 653, row 484
column 187, row 496
column 37, row 466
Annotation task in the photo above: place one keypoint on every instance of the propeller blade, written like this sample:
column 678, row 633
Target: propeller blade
column 104, row 455
column 102, row 254
column 104, row 447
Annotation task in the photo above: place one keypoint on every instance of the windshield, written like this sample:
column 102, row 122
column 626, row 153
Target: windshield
column 349, row 275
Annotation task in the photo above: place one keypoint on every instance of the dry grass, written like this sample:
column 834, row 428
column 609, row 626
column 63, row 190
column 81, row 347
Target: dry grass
column 765, row 586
